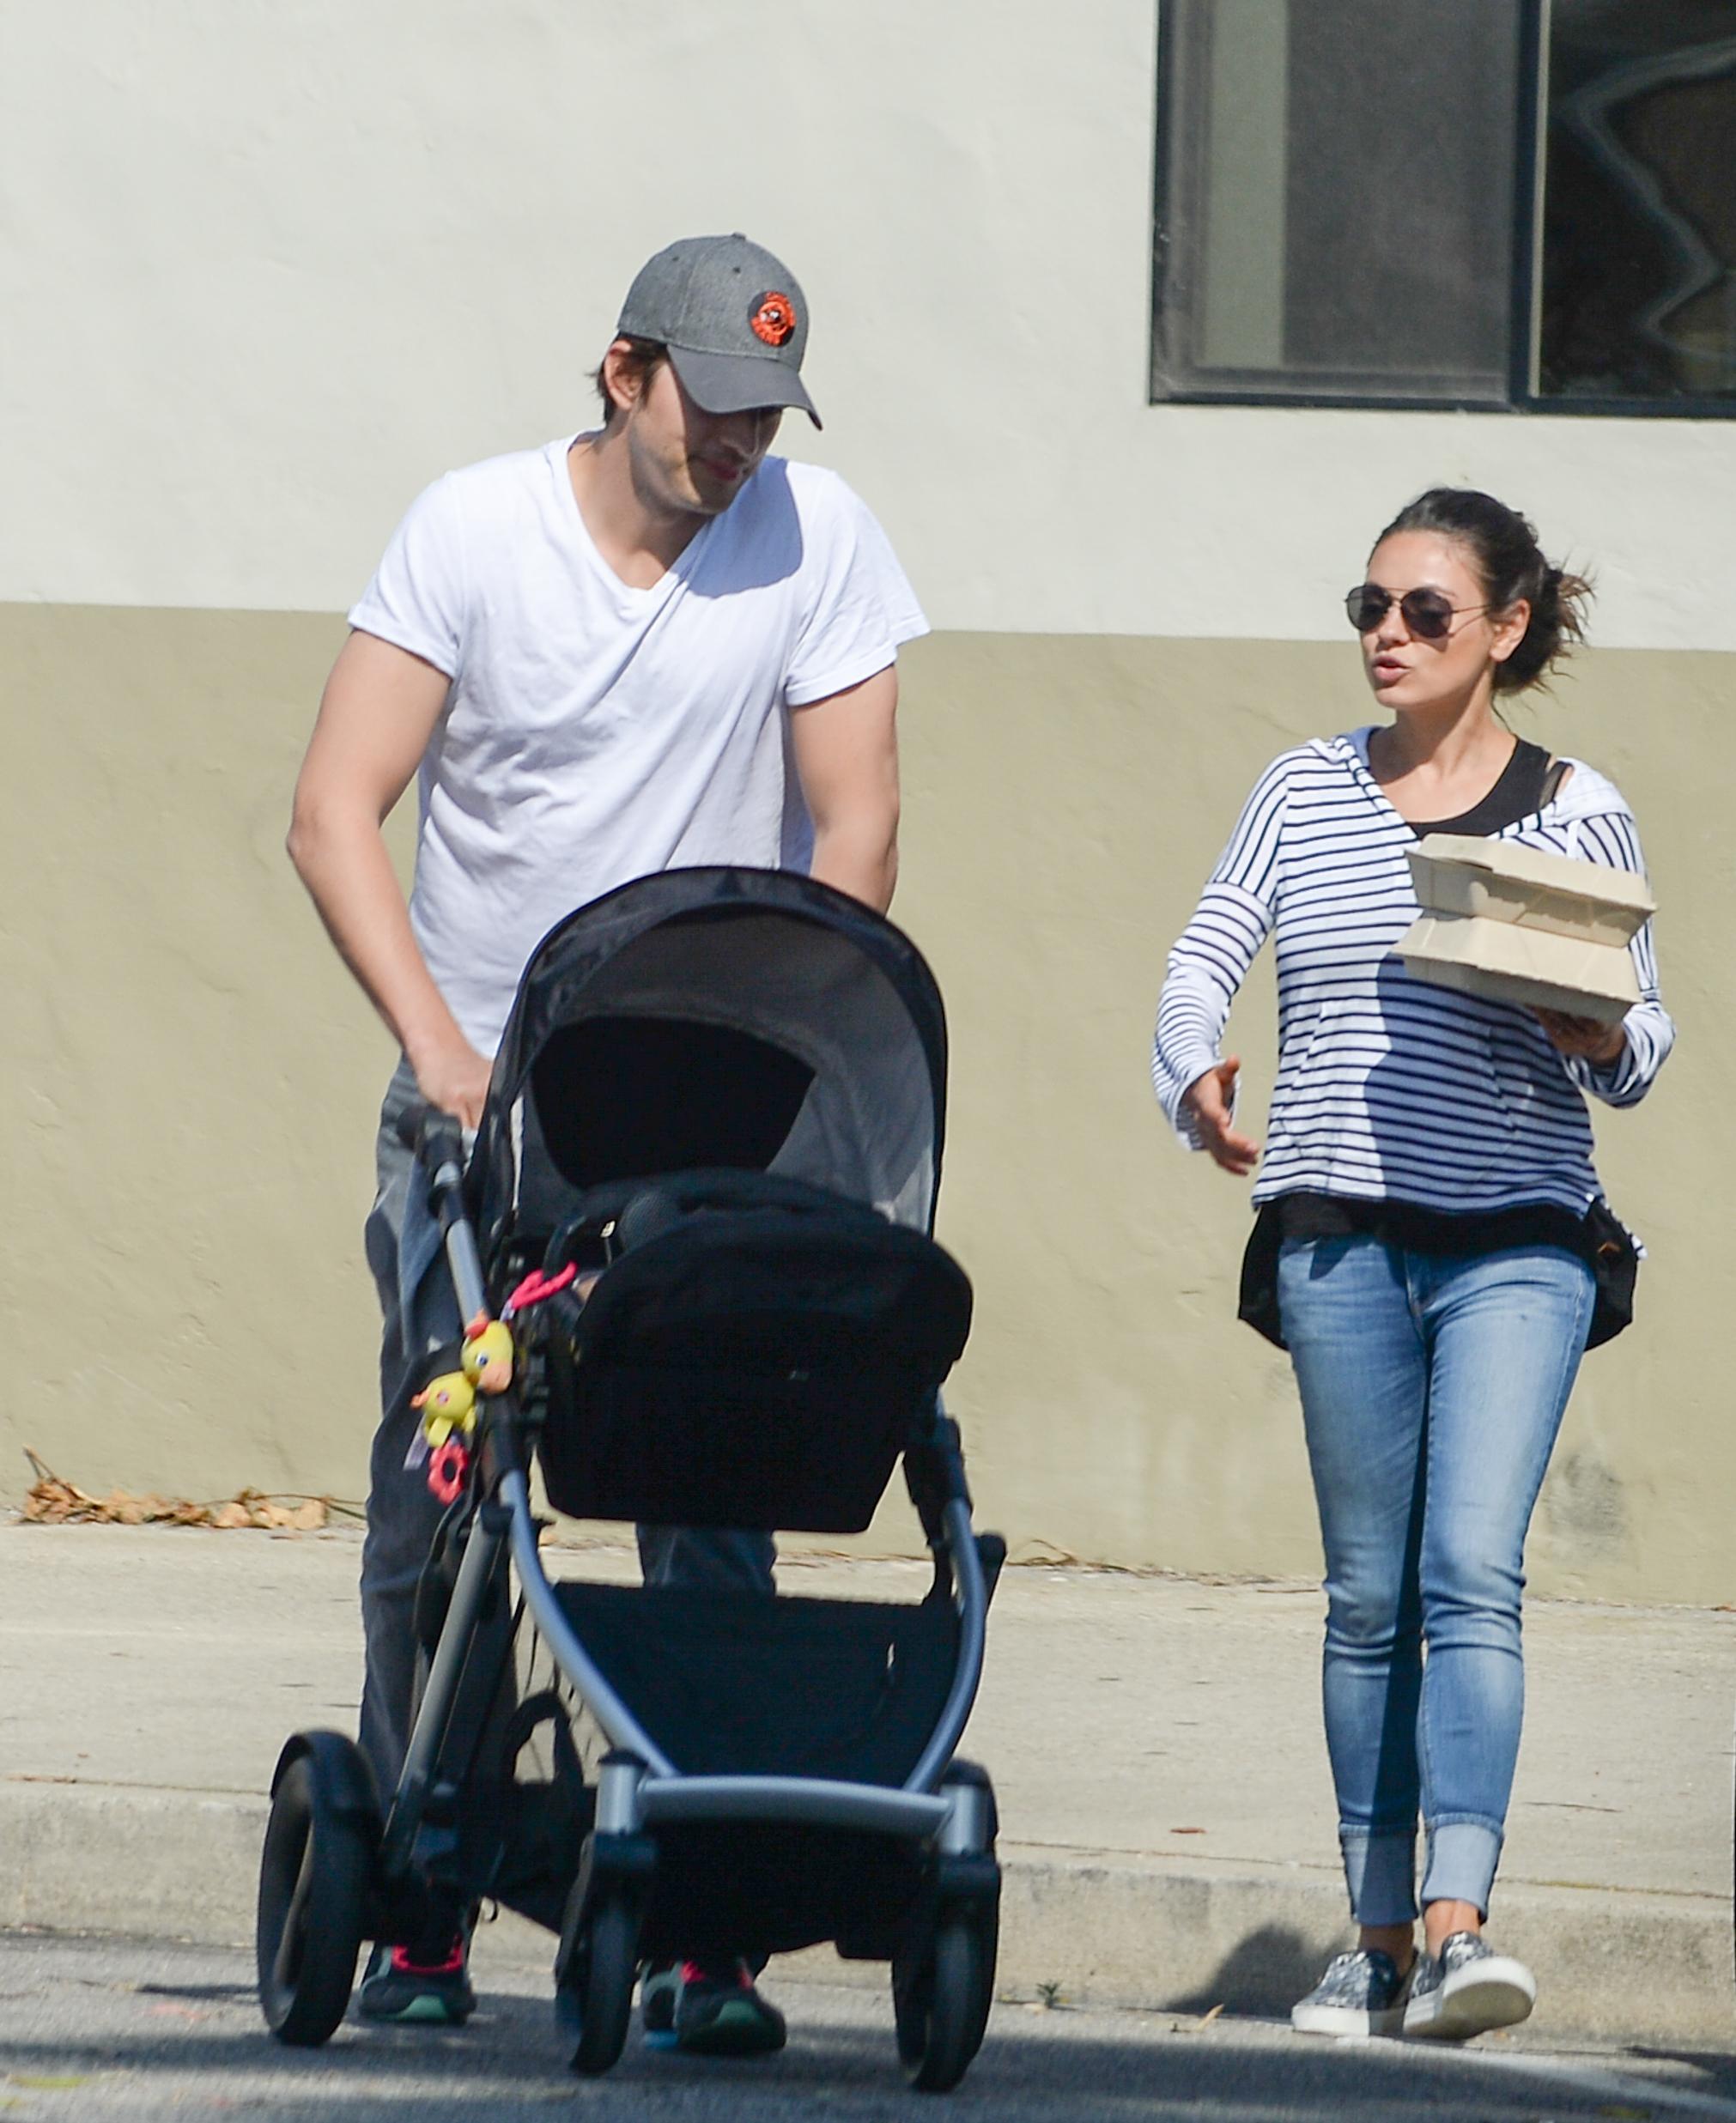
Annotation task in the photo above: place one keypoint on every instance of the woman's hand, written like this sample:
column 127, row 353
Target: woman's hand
column 1587, row 1037
column 1209, row 1099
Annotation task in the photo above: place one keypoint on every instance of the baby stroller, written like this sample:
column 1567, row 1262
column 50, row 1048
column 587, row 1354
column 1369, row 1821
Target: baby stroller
column 717, row 1114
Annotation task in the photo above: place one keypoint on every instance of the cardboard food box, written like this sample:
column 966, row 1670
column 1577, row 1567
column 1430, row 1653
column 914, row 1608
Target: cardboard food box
column 1461, row 874
column 1516, row 926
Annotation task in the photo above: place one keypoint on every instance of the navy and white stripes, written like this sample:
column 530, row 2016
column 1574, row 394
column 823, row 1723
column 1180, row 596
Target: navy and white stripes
column 1390, row 1089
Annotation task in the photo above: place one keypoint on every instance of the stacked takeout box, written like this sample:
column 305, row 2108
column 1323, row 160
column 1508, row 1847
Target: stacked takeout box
column 1516, row 925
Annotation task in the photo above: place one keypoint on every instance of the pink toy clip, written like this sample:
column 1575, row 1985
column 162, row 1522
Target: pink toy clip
column 535, row 1287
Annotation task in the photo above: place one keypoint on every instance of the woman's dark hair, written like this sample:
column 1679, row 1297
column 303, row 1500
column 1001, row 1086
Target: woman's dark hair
column 1511, row 563
column 643, row 357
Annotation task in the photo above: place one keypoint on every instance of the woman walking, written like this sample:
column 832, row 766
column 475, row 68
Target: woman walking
column 1430, row 1225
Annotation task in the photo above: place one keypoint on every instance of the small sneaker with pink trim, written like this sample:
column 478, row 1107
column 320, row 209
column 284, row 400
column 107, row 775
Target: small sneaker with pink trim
column 395, row 1987
column 710, row 2009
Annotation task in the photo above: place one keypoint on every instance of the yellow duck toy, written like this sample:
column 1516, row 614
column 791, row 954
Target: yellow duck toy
column 488, row 1354
column 448, row 1403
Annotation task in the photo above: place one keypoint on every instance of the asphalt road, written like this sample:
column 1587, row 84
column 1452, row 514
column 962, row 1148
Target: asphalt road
column 96, row 2030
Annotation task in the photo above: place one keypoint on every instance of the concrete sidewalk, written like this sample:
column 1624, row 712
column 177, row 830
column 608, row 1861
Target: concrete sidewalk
column 1166, row 1808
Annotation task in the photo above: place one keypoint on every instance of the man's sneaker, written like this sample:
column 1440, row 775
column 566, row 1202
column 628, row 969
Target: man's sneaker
column 1361, row 1994
column 1466, row 1989
column 395, row 1987
column 708, row 2009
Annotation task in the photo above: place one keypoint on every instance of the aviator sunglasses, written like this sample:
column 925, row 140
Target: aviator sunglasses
column 1427, row 613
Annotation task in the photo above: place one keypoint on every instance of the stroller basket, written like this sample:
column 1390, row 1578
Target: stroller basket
column 708, row 1675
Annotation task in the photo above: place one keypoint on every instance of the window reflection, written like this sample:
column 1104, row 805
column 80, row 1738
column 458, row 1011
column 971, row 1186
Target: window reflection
column 1639, row 234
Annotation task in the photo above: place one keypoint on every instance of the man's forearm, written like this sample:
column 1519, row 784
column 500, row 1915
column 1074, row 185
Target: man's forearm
column 846, row 761
column 348, row 875
column 861, row 859
column 379, row 708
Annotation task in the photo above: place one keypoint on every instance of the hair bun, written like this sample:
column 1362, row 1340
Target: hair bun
column 1503, row 544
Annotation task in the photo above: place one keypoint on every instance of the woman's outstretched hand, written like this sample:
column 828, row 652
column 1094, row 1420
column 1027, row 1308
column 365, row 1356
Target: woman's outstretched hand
column 1209, row 1099
column 1588, row 1037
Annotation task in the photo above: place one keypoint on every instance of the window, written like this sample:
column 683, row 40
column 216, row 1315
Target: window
column 1493, row 203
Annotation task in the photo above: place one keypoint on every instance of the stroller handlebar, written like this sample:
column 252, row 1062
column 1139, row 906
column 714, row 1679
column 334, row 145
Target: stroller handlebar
column 437, row 1138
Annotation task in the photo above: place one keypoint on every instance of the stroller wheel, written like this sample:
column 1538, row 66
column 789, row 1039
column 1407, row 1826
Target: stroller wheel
column 941, row 2004
column 596, row 1996
column 315, row 1878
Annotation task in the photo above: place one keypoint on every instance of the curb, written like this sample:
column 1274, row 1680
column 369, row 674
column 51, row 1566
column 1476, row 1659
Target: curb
column 1082, row 1929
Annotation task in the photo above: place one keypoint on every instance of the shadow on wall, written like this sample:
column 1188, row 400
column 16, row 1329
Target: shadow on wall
column 1584, row 1510
column 1263, row 1976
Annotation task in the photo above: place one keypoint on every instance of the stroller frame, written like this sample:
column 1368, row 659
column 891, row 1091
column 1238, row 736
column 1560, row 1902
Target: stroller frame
column 643, row 1786
column 335, row 1872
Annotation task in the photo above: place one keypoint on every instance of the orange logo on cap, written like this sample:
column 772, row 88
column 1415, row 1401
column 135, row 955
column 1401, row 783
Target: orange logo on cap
column 774, row 319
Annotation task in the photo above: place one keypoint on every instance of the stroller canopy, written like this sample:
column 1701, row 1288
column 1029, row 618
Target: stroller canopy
column 716, row 1017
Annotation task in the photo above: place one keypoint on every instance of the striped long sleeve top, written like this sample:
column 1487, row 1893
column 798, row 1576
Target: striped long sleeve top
column 1390, row 1089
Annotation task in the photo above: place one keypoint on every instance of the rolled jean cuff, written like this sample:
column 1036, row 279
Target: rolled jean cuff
column 1462, row 1859
column 1380, row 1872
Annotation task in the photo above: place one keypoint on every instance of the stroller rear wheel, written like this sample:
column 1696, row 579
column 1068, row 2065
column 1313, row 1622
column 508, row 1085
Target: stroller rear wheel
column 941, row 2004
column 597, row 1996
column 315, row 1880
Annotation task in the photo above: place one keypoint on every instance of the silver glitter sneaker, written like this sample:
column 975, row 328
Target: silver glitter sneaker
column 1361, row 1994
column 1466, row 1989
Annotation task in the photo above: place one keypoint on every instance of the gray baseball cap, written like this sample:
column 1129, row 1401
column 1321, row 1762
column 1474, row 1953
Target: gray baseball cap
column 734, row 318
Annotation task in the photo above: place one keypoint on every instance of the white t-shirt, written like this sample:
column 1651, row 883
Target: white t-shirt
column 594, row 732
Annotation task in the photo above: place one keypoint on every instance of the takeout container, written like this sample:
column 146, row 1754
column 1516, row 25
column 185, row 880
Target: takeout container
column 1516, row 925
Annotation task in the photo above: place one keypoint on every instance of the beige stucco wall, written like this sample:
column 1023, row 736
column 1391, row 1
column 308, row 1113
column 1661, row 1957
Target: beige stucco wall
column 192, row 1078
column 270, row 270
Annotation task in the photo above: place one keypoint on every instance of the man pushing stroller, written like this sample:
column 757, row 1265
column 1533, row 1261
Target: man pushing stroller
column 649, row 646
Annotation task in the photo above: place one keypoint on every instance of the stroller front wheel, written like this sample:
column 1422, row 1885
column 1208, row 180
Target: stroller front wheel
column 597, row 1997
column 315, row 1879
column 941, row 2007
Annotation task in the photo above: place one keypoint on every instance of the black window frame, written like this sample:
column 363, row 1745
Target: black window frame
column 1525, row 283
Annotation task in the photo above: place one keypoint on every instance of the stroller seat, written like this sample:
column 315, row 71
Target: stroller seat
column 756, row 1354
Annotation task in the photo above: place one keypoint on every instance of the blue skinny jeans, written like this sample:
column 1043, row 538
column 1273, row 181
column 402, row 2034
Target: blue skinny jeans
column 1432, row 1388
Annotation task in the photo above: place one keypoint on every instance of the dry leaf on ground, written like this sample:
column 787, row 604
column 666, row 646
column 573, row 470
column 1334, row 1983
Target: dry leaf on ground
column 52, row 1501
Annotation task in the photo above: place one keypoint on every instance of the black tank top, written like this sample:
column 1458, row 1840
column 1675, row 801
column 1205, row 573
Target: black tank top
column 1526, row 785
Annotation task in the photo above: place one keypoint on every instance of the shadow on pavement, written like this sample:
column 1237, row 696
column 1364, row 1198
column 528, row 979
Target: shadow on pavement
column 1717, row 2066
column 510, row 2063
